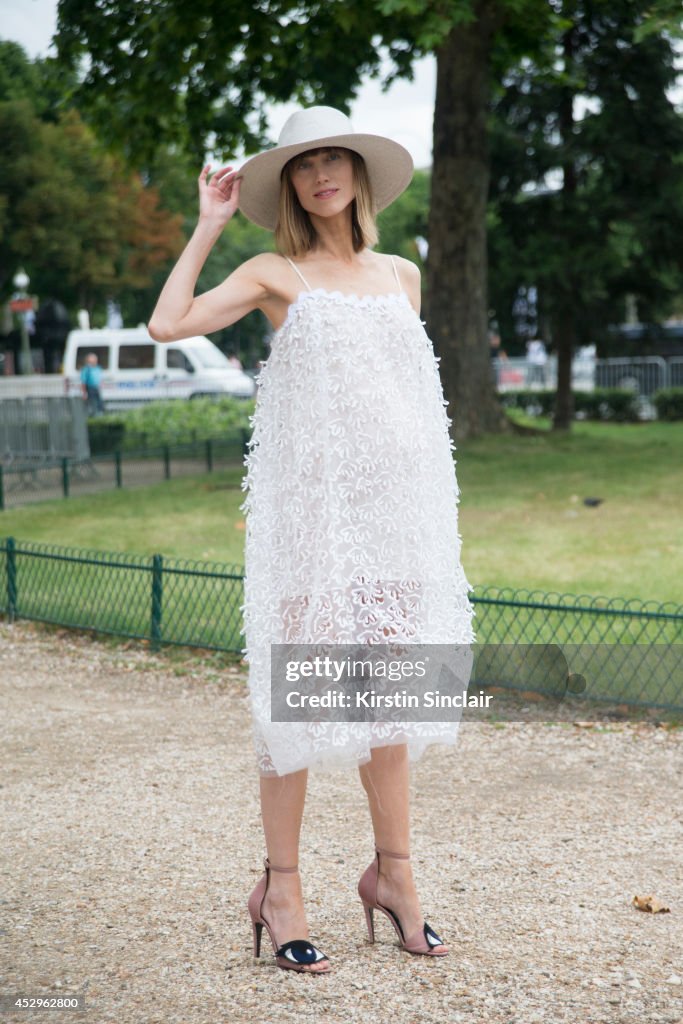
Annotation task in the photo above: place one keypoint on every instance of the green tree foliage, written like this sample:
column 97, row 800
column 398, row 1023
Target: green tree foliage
column 610, row 222
column 87, row 230
column 45, row 83
column 406, row 220
column 83, row 226
column 19, row 78
column 198, row 76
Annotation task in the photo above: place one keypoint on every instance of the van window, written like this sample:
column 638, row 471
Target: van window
column 101, row 351
column 136, row 357
column 177, row 360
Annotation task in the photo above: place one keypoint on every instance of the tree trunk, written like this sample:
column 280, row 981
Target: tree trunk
column 457, row 261
column 564, row 333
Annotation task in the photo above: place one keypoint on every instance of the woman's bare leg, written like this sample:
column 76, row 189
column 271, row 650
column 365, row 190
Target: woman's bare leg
column 282, row 808
column 385, row 779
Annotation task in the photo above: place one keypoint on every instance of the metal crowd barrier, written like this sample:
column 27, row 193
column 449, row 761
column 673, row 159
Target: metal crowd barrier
column 37, row 432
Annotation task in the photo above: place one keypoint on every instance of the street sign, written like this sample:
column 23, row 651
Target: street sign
column 20, row 305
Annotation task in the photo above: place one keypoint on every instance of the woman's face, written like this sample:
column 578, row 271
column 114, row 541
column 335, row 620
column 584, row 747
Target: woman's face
column 323, row 180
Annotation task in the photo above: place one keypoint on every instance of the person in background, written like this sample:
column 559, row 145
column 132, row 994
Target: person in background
column 234, row 359
column 91, row 379
column 495, row 347
column 496, row 353
column 537, row 357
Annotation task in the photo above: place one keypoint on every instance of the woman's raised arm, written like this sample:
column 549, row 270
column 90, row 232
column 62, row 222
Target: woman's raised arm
column 178, row 314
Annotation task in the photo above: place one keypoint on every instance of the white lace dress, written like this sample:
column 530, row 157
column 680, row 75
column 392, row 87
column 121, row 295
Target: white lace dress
column 351, row 512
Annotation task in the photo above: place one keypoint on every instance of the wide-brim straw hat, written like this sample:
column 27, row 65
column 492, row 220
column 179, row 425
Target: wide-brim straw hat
column 389, row 165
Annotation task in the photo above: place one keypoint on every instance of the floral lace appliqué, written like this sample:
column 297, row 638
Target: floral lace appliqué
column 351, row 512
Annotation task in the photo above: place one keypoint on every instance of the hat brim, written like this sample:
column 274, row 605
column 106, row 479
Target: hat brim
column 389, row 166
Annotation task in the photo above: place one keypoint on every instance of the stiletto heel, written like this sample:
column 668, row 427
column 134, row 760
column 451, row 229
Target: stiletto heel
column 295, row 955
column 257, row 928
column 369, row 920
column 424, row 941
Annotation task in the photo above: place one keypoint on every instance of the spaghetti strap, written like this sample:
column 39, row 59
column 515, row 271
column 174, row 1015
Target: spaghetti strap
column 398, row 280
column 299, row 273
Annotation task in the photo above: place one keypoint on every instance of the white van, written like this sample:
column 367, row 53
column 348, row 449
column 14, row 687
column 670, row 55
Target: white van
column 137, row 369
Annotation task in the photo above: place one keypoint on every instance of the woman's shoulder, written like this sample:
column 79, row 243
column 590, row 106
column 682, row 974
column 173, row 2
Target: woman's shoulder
column 410, row 269
column 265, row 261
column 268, row 268
column 410, row 279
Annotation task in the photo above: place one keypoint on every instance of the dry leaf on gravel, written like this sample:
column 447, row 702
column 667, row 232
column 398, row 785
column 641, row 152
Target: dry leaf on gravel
column 650, row 904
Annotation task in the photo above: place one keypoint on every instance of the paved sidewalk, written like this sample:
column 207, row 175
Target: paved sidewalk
column 132, row 839
column 99, row 474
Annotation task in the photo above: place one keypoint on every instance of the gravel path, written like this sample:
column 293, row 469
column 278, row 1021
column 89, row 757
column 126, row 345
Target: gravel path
column 132, row 839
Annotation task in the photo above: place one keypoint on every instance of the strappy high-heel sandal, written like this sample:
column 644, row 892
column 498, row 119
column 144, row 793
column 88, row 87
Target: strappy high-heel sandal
column 424, row 941
column 295, row 955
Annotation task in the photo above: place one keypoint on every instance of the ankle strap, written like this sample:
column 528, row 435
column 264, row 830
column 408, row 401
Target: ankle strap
column 274, row 867
column 388, row 853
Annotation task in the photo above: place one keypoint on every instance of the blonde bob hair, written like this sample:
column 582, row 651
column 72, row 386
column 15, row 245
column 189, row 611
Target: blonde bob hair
column 295, row 234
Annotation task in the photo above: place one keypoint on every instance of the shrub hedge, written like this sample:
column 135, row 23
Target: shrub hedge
column 168, row 422
column 602, row 404
column 669, row 403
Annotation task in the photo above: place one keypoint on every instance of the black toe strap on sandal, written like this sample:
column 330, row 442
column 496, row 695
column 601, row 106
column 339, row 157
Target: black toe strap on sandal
column 431, row 936
column 299, row 951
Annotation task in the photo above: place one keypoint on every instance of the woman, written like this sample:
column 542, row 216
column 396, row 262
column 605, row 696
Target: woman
column 351, row 508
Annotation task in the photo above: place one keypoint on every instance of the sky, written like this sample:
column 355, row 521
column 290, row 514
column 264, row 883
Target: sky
column 404, row 113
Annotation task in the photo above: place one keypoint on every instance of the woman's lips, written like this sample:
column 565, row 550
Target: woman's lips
column 326, row 193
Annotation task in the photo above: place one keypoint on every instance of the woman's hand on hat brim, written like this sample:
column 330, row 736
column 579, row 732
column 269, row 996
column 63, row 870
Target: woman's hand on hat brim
column 218, row 197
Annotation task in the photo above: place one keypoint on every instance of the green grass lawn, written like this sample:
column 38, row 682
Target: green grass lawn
column 524, row 524
column 522, row 517
column 190, row 517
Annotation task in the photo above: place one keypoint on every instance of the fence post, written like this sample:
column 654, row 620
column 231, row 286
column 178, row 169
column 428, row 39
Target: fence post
column 117, row 463
column 11, row 579
column 157, row 584
column 209, row 460
column 167, row 463
column 2, row 489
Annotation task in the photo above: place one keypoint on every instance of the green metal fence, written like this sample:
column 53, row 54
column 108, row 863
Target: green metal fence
column 630, row 651
column 164, row 600
column 198, row 604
